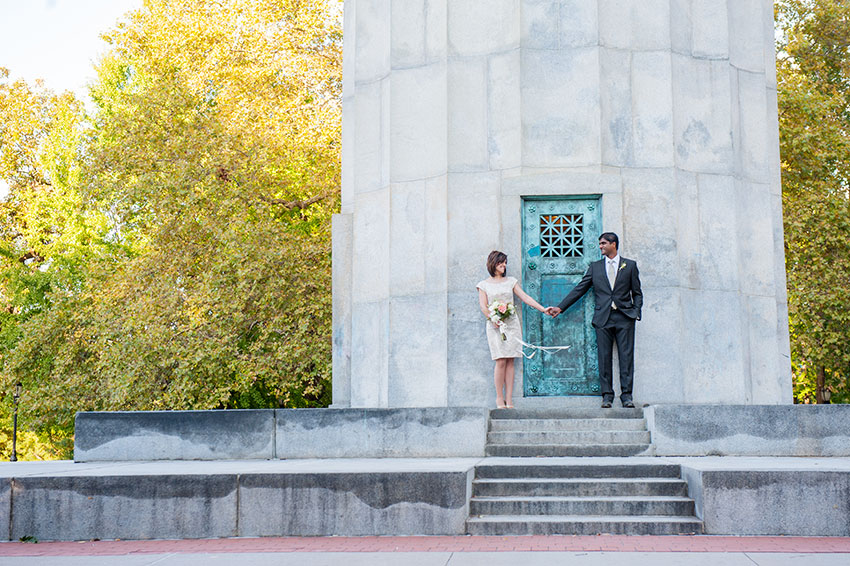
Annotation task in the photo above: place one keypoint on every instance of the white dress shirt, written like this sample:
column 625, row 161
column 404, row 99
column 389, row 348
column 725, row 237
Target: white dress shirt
column 616, row 263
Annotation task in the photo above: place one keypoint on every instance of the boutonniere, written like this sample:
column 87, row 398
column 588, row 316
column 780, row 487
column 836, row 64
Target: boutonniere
column 622, row 266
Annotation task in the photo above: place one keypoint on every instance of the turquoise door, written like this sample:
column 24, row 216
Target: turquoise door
column 559, row 241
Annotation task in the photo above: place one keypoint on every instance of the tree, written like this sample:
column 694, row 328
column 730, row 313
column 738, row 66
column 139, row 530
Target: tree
column 813, row 72
column 47, row 235
column 214, row 155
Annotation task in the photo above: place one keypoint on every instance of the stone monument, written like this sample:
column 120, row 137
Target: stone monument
column 531, row 126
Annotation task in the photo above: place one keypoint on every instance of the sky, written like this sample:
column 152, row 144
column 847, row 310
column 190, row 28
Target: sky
column 56, row 40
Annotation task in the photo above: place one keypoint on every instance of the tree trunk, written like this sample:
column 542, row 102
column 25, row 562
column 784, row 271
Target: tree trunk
column 819, row 386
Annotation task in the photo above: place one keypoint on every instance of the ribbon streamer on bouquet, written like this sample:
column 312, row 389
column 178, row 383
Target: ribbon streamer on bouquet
column 544, row 349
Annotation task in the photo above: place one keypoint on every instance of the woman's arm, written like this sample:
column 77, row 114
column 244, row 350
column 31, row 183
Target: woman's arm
column 485, row 306
column 526, row 299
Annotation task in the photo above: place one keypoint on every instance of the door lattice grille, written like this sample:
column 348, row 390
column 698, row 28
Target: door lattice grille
column 562, row 235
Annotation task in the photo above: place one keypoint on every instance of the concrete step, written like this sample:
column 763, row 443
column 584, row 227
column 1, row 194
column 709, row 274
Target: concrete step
column 569, row 437
column 526, row 470
column 557, row 450
column 566, row 413
column 510, row 425
column 602, row 487
column 582, row 525
column 582, row 505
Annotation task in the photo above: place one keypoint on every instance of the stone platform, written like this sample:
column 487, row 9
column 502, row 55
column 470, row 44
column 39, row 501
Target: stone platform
column 446, row 432
column 206, row 499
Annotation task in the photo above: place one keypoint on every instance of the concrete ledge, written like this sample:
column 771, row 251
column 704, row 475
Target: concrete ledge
column 138, row 507
column 145, row 500
column 438, row 432
column 749, row 430
column 435, row 432
column 414, row 503
column 5, row 506
column 173, row 435
column 770, row 497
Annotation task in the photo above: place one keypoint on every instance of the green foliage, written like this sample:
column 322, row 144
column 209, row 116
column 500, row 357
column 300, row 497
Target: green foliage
column 813, row 72
column 172, row 249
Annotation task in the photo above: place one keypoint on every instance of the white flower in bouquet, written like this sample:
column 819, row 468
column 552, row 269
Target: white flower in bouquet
column 499, row 312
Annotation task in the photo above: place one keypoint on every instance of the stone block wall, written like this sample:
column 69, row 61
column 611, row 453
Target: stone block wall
column 456, row 109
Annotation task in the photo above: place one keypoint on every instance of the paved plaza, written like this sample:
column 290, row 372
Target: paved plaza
column 439, row 551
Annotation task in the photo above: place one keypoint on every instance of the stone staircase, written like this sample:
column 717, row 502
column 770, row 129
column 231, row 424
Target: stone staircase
column 541, row 489
column 568, row 432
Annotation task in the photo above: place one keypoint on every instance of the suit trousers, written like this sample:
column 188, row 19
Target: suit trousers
column 619, row 329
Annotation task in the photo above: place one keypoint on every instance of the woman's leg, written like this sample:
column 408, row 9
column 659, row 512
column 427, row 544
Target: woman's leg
column 509, row 382
column 499, row 380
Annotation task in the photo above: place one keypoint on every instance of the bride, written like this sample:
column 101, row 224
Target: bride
column 496, row 297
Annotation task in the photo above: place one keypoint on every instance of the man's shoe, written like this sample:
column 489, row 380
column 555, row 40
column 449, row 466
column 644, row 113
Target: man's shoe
column 606, row 404
column 628, row 404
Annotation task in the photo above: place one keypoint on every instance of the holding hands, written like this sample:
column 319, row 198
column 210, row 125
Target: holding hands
column 552, row 311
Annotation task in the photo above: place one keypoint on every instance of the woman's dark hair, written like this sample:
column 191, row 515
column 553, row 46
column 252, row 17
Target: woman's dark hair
column 494, row 259
column 611, row 237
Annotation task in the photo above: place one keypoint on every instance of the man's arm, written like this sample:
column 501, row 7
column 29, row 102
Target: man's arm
column 637, row 295
column 577, row 292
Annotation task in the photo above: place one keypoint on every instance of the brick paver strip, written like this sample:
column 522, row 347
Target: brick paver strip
column 605, row 543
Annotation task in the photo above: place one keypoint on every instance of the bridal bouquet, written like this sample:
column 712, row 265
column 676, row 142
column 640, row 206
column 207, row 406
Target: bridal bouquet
column 499, row 312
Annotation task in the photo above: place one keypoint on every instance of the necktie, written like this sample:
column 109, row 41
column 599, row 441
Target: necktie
column 612, row 273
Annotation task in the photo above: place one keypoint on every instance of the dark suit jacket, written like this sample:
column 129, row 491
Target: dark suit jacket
column 626, row 293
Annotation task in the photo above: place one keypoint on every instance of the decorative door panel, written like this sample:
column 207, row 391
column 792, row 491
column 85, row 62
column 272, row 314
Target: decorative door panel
column 559, row 241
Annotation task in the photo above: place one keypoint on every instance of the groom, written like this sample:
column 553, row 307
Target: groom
column 616, row 284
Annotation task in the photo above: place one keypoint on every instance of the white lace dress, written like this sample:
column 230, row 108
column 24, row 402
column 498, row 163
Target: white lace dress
column 503, row 292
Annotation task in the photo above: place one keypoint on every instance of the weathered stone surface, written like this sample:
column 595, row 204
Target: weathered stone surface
column 353, row 504
column 750, row 430
column 658, row 347
column 652, row 109
column 504, row 104
column 370, row 281
column 634, row 24
column 173, row 435
column 418, row 33
column 650, row 197
column 668, row 107
column 369, row 350
column 714, row 369
column 718, row 266
column 616, row 105
column 5, row 507
column 471, row 373
column 418, row 104
column 477, row 27
column 710, row 29
column 757, row 273
column 373, row 46
column 688, row 230
column 467, row 103
column 341, row 269
column 764, row 354
column 752, row 134
column 579, row 23
column 141, row 500
column 381, row 433
column 473, row 227
column 124, row 507
column 777, row 503
column 540, row 24
column 560, row 117
column 746, row 39
column 702, row 115
column 418, row 365
column 770, row 496
column 367, row 134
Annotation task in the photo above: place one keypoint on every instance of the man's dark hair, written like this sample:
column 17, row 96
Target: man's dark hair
column 495, row 258
column 611, row 237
